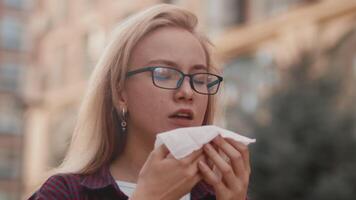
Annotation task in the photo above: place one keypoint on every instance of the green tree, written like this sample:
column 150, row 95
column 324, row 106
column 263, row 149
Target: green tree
column 307, row 150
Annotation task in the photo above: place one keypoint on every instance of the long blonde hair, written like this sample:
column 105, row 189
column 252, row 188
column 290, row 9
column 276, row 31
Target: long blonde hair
column 97, row 140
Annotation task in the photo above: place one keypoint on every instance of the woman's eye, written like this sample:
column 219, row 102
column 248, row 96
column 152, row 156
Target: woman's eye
column 200, row 79
column 163, row 74
column 200, row 82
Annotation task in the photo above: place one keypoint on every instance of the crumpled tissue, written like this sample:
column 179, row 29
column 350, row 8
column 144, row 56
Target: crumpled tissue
column 183, row 141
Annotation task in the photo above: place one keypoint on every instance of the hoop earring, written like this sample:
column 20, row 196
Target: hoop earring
column 123, row 121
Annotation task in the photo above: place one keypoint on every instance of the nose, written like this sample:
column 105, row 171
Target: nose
column 185, row 91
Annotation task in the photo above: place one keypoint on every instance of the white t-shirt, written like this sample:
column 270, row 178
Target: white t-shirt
column 128, row 188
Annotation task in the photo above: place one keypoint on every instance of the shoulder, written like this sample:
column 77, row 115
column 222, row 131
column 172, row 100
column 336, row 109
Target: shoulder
column 59, row 186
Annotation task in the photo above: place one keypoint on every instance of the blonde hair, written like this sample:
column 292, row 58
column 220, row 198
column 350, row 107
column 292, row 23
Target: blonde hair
column 97, row 140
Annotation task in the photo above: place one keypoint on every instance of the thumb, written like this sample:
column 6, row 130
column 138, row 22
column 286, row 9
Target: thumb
column 162, row 151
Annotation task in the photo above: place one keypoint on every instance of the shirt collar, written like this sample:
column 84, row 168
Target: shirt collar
column 98, row 180
column 103, row 178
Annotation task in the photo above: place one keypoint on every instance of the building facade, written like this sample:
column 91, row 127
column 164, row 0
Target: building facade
column 13, row 62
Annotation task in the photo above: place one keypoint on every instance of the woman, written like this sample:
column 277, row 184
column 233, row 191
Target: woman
column 157, row 74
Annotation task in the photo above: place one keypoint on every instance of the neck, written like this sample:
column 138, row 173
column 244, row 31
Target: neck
column 128, row 165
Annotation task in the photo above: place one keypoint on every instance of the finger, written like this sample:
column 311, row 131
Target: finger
column 210, row 163
column 161, row 152
column 169, row 155
column 192, row 157
column 201, row 158
column 211, row 178
column 243, row 149
column 193, row 167
column 226, row 170
column 196, row 179
column 234, row 155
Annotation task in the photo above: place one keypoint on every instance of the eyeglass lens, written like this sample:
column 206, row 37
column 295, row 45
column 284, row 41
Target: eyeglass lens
column 172, row 79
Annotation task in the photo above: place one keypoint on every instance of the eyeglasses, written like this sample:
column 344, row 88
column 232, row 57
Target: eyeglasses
column 172, row 78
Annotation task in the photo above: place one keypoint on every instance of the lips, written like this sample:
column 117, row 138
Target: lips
column 182, row 114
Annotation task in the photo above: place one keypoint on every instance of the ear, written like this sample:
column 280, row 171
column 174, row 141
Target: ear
column 120, row 99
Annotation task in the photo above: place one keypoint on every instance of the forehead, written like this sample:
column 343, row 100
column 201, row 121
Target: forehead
column 169, row 43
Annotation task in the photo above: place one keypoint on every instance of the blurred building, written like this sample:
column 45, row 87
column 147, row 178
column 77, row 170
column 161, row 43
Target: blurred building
column 13, row 58
column 255, row 39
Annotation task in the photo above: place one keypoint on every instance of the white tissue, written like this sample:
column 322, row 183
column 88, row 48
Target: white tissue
column 183, row 141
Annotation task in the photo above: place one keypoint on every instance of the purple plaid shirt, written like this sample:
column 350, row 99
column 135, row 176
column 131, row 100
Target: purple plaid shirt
column 100, row 185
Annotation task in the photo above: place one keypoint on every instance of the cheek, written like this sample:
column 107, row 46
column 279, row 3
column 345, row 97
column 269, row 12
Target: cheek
column 146, row 104
column 145, row 97
column 138, row 99
column 202, row 104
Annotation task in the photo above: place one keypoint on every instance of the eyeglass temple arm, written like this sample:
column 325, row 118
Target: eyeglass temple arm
column 215, row 82
column 130, row 73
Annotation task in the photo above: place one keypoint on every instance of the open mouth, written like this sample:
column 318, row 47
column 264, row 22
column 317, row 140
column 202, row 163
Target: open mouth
column 182, row 114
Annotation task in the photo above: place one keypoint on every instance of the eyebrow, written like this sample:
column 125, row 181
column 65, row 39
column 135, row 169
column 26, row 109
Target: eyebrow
column 173, row 64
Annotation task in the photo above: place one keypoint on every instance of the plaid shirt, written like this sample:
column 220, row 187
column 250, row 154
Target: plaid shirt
column 100, row 185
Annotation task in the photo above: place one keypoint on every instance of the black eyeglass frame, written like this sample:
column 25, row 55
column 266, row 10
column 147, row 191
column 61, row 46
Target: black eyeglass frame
column 152, row 68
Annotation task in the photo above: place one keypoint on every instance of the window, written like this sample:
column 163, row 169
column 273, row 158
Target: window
column 10, row 116
column 10, row 76
column 241, row 11
column 9, row 164
column 11, row 31
column 15, row 3
column 227, row 13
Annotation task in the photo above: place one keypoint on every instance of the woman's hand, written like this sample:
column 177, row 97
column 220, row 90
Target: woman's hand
column 232, row 183
column 164, row 177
